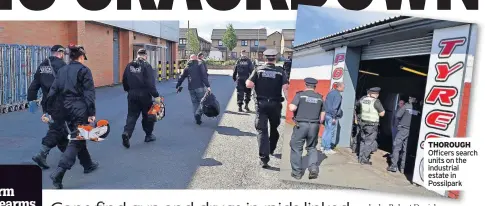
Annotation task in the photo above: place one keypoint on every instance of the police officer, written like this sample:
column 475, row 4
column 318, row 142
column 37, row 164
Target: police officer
column 370, row 110
column 287, row 66
column 244, row 67
column 404, row 116
column 139, row 82
column 43, row 79
column 268, row 81
column 309, row 110
column 75, row 86
column 200, row 56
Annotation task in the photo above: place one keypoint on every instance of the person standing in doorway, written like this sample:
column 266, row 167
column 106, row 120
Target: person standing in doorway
column 404, row 116
column 333, row 113
column 371, row 110
column 198, row 82
column 395, row 121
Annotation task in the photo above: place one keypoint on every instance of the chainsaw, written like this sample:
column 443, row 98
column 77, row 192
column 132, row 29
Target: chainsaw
column 157, row 111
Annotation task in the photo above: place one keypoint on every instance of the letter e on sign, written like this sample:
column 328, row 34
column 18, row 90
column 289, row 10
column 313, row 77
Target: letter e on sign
column 439, row 119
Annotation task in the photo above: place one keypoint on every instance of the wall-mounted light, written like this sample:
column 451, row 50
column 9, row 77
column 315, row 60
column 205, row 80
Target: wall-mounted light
column 413, row 71
column 366, row 72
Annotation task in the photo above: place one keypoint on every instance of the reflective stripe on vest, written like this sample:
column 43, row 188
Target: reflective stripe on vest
column 369, row 113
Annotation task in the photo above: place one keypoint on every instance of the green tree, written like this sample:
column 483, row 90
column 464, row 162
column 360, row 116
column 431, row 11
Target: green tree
column 193, row 42
column 229, row 39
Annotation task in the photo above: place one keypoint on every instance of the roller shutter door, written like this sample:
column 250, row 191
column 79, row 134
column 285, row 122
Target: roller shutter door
column 411, row 47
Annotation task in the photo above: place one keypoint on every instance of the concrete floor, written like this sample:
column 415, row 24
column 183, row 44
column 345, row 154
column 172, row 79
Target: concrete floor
column 342, row 169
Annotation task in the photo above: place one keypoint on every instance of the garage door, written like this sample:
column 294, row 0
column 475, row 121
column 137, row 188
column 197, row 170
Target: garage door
column 411, row 47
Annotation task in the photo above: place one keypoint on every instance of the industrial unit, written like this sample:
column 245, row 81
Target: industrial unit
column 404, row 56
column 110, row 45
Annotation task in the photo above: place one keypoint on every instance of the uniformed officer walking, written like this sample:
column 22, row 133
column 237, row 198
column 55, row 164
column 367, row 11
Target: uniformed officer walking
column 404, row 116
column 370, row 111
column 268, row 81
column 139, row 82
column 43, row 79
column 244, row 67
column 74, row 84
column 309, row 111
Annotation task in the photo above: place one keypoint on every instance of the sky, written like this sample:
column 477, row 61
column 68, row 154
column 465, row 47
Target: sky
column 316, row 22
column 204, row 28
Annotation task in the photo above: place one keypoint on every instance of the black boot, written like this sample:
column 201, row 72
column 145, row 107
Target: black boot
column 392, row 169
column 40, row 158
column 126, row 140
column 247, row 108
column 313, row 175
column 150, row 138
column 91, row 168
column 240, row 108
column 198, row 119
column 57, row 177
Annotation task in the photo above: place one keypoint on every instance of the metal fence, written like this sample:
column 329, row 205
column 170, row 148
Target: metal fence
column 18, row 64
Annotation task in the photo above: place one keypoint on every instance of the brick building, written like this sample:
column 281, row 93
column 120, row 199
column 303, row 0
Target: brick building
column 274, row 42
column 205, row 46
column 287, row 40
column 251, row 40
column 109, row 45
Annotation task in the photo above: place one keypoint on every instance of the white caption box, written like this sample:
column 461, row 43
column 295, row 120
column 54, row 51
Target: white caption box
column 448, row 163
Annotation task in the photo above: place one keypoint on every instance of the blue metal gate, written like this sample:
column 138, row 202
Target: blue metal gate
column 18, row 64
column 116, row 55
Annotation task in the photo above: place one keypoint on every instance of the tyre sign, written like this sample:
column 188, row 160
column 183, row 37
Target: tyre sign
column 338, row 73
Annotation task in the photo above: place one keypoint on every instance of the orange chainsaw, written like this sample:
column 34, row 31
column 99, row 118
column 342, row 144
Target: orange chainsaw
column 157, row 111
column 93, row 132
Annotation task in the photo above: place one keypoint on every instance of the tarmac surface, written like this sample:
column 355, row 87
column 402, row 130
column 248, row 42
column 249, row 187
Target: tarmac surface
column 219, row 154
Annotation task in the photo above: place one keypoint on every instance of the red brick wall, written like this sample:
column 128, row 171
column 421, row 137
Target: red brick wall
column 99, row 48
column 42, row 33
column 323, row 87
column 126, row 48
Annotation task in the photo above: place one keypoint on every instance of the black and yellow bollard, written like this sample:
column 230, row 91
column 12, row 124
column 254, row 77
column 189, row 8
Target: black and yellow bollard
column 168, row 71
column 175, row 70
column 160, row 72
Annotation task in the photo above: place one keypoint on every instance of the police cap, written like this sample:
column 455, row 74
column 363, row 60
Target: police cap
column 57, row 48
column 310, row 81
column 270, row 52
column 142, row 52
column 374, row 90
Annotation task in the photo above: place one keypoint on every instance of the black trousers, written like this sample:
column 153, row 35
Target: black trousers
column 243, row 93
column 76, row 114
column 367, row 140
column 57, row 134
column 307, row 133
column 267, row 111
column 139, row 103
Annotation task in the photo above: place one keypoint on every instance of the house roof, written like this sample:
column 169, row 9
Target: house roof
column 359, row 28
column 242, row 34
column 204, row 40
column 276, row 32
column 288, row 34
column 183, row 32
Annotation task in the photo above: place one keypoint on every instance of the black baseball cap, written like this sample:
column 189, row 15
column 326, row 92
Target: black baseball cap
column 78, row 48
column 57, row 48
column 142, row 52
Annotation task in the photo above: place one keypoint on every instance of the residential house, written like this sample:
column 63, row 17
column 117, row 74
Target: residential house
column 184, row 52
column 287, row 40
column 274, row 42
column 251, row 40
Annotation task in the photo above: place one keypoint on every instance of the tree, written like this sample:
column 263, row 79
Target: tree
column 229, row 39
column 193, row 42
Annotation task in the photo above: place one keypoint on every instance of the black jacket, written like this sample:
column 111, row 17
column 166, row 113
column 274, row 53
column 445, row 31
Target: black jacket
column 74, row 82
column 139, row 77
column 197, row 75
column 43, row 79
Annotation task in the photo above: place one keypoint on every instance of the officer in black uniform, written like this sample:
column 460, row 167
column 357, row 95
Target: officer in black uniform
column 74, row 84
column 200, row 56
column 244, row 67
column 371, row 110
column 309, row 111
column 287, row 66
column 43, row 79
column 139, row 82
column 268, row 82
column 404, row 115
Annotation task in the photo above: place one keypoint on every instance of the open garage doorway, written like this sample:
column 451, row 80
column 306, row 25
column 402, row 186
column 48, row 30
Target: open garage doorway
column 398, row 79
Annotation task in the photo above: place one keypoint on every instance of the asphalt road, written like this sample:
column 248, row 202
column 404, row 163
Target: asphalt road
column 220, row 154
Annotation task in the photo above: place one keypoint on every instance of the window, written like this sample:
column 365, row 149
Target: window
column 220, row 43
column 292, row 43
column 183, row 41
column 256, row 43
column 244, row 42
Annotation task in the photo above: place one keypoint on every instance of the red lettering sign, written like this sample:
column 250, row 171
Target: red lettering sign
column 431, row 135
column 339, row 58
column 334, row 85
column 439, row 119
column 338, row 73
column 443, row 94
column 448, row 46
column 444, row 71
